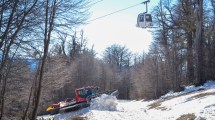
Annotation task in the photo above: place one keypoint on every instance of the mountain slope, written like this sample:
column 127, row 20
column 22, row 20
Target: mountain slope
column 193, row 103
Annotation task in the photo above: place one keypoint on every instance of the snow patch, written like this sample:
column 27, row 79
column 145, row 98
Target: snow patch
column 188, row 89
column 208, row 112
column 104, row 102
column 64, row 116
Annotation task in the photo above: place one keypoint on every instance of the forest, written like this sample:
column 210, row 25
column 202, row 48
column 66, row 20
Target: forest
column 43, row 59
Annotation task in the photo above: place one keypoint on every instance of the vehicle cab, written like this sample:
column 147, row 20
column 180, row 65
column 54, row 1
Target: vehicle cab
column 144, row 20
column 83, row 93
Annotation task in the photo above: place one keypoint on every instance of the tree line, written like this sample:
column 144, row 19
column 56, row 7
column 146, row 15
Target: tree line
column 26, row 30
column 43, row 59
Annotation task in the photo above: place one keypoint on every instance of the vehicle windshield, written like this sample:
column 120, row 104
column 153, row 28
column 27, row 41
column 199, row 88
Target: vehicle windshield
column 84, row 93
column 148, row 18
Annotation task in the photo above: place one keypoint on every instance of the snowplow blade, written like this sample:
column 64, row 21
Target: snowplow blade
column 54, row 111
column 74, row 107
column 111, row 92
column 115, row 93
column 69, row 108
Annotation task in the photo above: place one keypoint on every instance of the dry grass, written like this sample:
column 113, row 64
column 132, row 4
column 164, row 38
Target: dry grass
column 77, row 118
column 158, row 103
column 202, row 118
column 155, row 105
column 187, row 117
column 202, row 95
column 163, row 108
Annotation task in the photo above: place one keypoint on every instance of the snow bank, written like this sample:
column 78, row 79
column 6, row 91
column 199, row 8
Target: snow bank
column 208, row 112
column 206, row 86
column 65, row 116
column 104, row 102
column 209, row 84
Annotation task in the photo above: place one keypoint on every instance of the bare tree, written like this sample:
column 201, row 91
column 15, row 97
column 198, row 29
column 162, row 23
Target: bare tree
column 199, row 43
column 12, row 21
column 117, row 55
column 49, row 22
column 54, row 17
column 120, row 59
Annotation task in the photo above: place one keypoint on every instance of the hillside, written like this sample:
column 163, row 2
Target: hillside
column 194, row 103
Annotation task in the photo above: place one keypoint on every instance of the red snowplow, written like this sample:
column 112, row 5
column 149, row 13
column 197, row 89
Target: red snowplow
column 82, row 99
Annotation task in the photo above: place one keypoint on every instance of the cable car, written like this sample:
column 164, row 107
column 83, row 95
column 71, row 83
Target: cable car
column 144, row 20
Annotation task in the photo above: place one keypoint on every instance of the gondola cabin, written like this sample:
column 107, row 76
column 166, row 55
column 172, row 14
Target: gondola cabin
column 144, row 20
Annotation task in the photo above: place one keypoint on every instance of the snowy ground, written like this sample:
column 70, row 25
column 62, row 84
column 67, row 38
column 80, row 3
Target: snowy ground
column 194, row 102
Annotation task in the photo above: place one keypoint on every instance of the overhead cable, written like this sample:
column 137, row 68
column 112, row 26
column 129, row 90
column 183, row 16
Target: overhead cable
column 115, row 12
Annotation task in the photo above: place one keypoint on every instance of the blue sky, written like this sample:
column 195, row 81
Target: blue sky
column 119, row 28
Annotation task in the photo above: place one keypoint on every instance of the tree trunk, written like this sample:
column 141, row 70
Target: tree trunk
column 190, row 67
column 49, row 21
column 199, row 43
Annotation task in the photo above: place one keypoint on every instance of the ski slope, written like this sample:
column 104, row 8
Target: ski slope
column 194, row 103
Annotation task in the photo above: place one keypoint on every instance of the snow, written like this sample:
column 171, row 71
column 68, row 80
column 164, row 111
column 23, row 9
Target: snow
column 183, row 105
column 104, row 102
column 188, row 89
column 70, row 115
column 171, row 107
column 199, row 101
column 64, row 115
column 208, row 112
